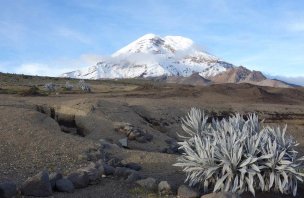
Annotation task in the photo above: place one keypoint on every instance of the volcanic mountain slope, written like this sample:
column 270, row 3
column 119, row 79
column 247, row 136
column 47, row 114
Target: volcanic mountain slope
column 244, row 75
column 152, row 56
column 175, row 58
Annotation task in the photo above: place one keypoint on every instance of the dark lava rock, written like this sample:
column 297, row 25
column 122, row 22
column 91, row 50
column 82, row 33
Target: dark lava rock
column 133, row 166
column 38, row 186
column 133, row 177
column 8, row 190
column 148, row 183
column 64, row 185
column 54, row 177
column 123, row 172
column 79, row 179
column 92, row 172
column 108, row 170
column 115, row 162
column 187, row 192
column 164, row 188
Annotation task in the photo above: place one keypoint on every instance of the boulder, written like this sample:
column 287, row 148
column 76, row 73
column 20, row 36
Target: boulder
column 133, row 166
column 108, row 170
column 221, row 195
column 93, row 173
column 38, row 186
column 164, row 188
column 115, row 162
column 123, row 172
column 8, row 190
column 80, row 179
column 64, row 185
column 187, row 192
column 133, row 177
column 54, row 177
column 148, row 183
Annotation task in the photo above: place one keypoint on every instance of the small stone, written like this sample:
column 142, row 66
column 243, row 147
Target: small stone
column 79, row 179
column 133, row 166
column 149, row 183
column 54, row 177
column 108, row 170
column 64, row 185
column 131, row 136
column 221, row 195
column 164, row 188
column 8, row 190
column 123, row 142
column 187, row 192
column 38, row 186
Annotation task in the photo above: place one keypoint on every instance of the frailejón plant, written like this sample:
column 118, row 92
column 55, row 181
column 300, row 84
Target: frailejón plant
column 68, row 86
column 84, row 86
column 50, row 87
column 238, row 154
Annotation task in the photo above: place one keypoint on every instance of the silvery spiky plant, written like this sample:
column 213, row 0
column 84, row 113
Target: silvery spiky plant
column 84, row 86
column 238, row 154
column 50, row 87
column 68, row 86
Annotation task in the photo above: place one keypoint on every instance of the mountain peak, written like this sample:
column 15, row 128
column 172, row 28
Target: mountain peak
column 151, row 43
column 152, row 55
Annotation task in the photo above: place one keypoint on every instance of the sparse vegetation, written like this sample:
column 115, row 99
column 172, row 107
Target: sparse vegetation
column 32, row 91
column 50, row 87
column 68, row 86
column 238, row 154
column 84, row 86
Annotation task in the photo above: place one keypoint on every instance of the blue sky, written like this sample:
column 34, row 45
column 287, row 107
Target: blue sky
column 49, row 37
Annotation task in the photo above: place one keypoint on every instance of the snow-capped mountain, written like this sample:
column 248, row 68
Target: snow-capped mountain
column 152, row 56
column 173, row 58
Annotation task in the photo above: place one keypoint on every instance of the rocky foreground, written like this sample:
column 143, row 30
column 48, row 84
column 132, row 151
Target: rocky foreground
column 120, row 140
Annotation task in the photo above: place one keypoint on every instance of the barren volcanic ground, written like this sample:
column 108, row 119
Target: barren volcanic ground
column 62, row 130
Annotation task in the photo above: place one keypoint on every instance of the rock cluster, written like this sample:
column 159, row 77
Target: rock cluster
column 135, row 133
column 172, row 147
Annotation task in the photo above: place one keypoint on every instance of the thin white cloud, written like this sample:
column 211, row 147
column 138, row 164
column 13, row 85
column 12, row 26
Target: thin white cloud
column 90, row 59
column 55, row 68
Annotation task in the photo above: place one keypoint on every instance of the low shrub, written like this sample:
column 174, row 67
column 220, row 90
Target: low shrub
column 238, row 154
column 32, row 91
